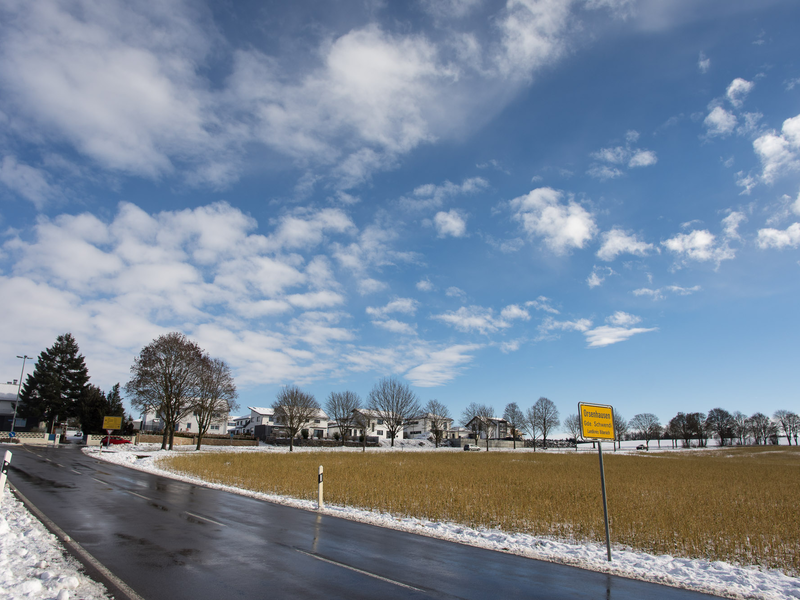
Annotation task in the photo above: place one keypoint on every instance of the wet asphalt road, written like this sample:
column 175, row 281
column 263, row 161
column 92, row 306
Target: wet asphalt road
column 168, row 539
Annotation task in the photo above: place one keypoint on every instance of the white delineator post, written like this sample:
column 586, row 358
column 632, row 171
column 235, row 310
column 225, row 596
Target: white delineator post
column 320, row 503
column 3, row 472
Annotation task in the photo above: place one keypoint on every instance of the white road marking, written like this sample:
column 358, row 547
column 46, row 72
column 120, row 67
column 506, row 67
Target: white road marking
column 140, row 496
column 98, row 481
column 205, row 519
column 76, row 472
column 367, row 573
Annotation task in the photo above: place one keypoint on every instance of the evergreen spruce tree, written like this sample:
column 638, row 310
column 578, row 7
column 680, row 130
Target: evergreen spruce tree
column 58, row 385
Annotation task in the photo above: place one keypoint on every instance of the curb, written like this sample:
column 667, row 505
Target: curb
column 93, row 567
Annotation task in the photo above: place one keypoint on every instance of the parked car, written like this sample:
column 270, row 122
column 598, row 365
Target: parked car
column 641, row 447
column 113, row 440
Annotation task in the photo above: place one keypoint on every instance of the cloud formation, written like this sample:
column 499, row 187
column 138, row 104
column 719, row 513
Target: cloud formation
column 562, row 225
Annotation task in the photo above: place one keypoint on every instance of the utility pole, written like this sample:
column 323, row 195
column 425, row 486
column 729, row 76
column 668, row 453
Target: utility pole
column 24, row 357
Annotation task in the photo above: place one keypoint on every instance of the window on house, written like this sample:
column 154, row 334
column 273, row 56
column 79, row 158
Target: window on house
column 380, row 421
column 316, row 420
column 380, row 432
column 270, row 419
column 215, row 427
column 188, row 426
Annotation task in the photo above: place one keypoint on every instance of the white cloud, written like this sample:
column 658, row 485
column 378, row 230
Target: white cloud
column 473, row 318
column 623, row 319
column 617, row 156
column 737, row 91
column 306, row 228
column 549, row 326
column 513, row 311
column 371, row 286
column 441, row 366
column 604, row 172
column 699, row 245
column 562, row 226
column 425, row 285
column 777, row 238
column 532, row 35
column 455, row 292
column 510, row 346
column 395, row 326
column 542, row 303
column 720, row 122
column 643, row 158
column 452, row 223
column 616, row 242
column 29, row 182
column 598, row 276
column 315, row 300
column 703, row 63
column 796, row 205
column 660, row 293
column 406, row 306
column 605, row 335
column 731, row 224
column 746, row 182
column 779, row 153
column 431, row 196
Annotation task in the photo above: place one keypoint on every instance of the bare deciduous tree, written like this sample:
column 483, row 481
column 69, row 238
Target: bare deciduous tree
column 761, row 427
column 647, row 425
column 573, row 424
column 485, row 416
column 740, row 426
column 293, row 409
column 361, row 419
column 216, row 397
column 720, row 423
column 165, row 379
column 394, row 402
column 543, row 418
column 340, row 406
column 621, row 427
column 438, row 415
column 788, row 422
column 516, row 420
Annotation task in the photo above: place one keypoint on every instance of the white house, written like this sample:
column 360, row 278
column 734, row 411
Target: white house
column 375, row 427
column 8, row 398
column 317, row 427
column 152, row 422
column 421, row 427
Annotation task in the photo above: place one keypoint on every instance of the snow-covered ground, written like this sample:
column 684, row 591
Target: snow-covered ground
column 34, row 565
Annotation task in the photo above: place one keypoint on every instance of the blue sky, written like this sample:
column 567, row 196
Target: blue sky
column 589, row 200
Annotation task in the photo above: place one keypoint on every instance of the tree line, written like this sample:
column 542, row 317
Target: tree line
column 697, row 428
column 58, row 390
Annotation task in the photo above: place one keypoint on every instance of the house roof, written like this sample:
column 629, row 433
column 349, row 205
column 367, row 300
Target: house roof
column 429, row 416
column 268, row 412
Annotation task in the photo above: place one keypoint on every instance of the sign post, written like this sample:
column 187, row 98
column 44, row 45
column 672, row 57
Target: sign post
column 320, row 503
column 597, row 423
column 4, row 472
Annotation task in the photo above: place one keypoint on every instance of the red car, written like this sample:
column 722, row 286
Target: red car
column 114, row 440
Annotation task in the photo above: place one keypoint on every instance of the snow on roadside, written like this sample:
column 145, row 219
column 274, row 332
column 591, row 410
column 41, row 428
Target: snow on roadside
column 715, row 577
column 33, row 563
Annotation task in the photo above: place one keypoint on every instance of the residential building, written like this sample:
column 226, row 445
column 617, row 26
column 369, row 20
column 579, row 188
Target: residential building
column 421, row 427
column 495, row 428
column 376, row 426
column 317, row 427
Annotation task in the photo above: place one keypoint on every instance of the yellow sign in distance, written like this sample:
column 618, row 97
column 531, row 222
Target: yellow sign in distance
column 112, row 422
column 597, row 421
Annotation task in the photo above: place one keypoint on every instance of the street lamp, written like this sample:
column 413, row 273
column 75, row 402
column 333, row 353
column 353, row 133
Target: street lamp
column 19, row 387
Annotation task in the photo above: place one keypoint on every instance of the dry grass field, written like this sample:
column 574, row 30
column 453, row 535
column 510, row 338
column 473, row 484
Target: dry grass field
column 740, row 505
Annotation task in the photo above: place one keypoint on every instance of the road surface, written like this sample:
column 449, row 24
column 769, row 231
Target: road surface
column 169, row 539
